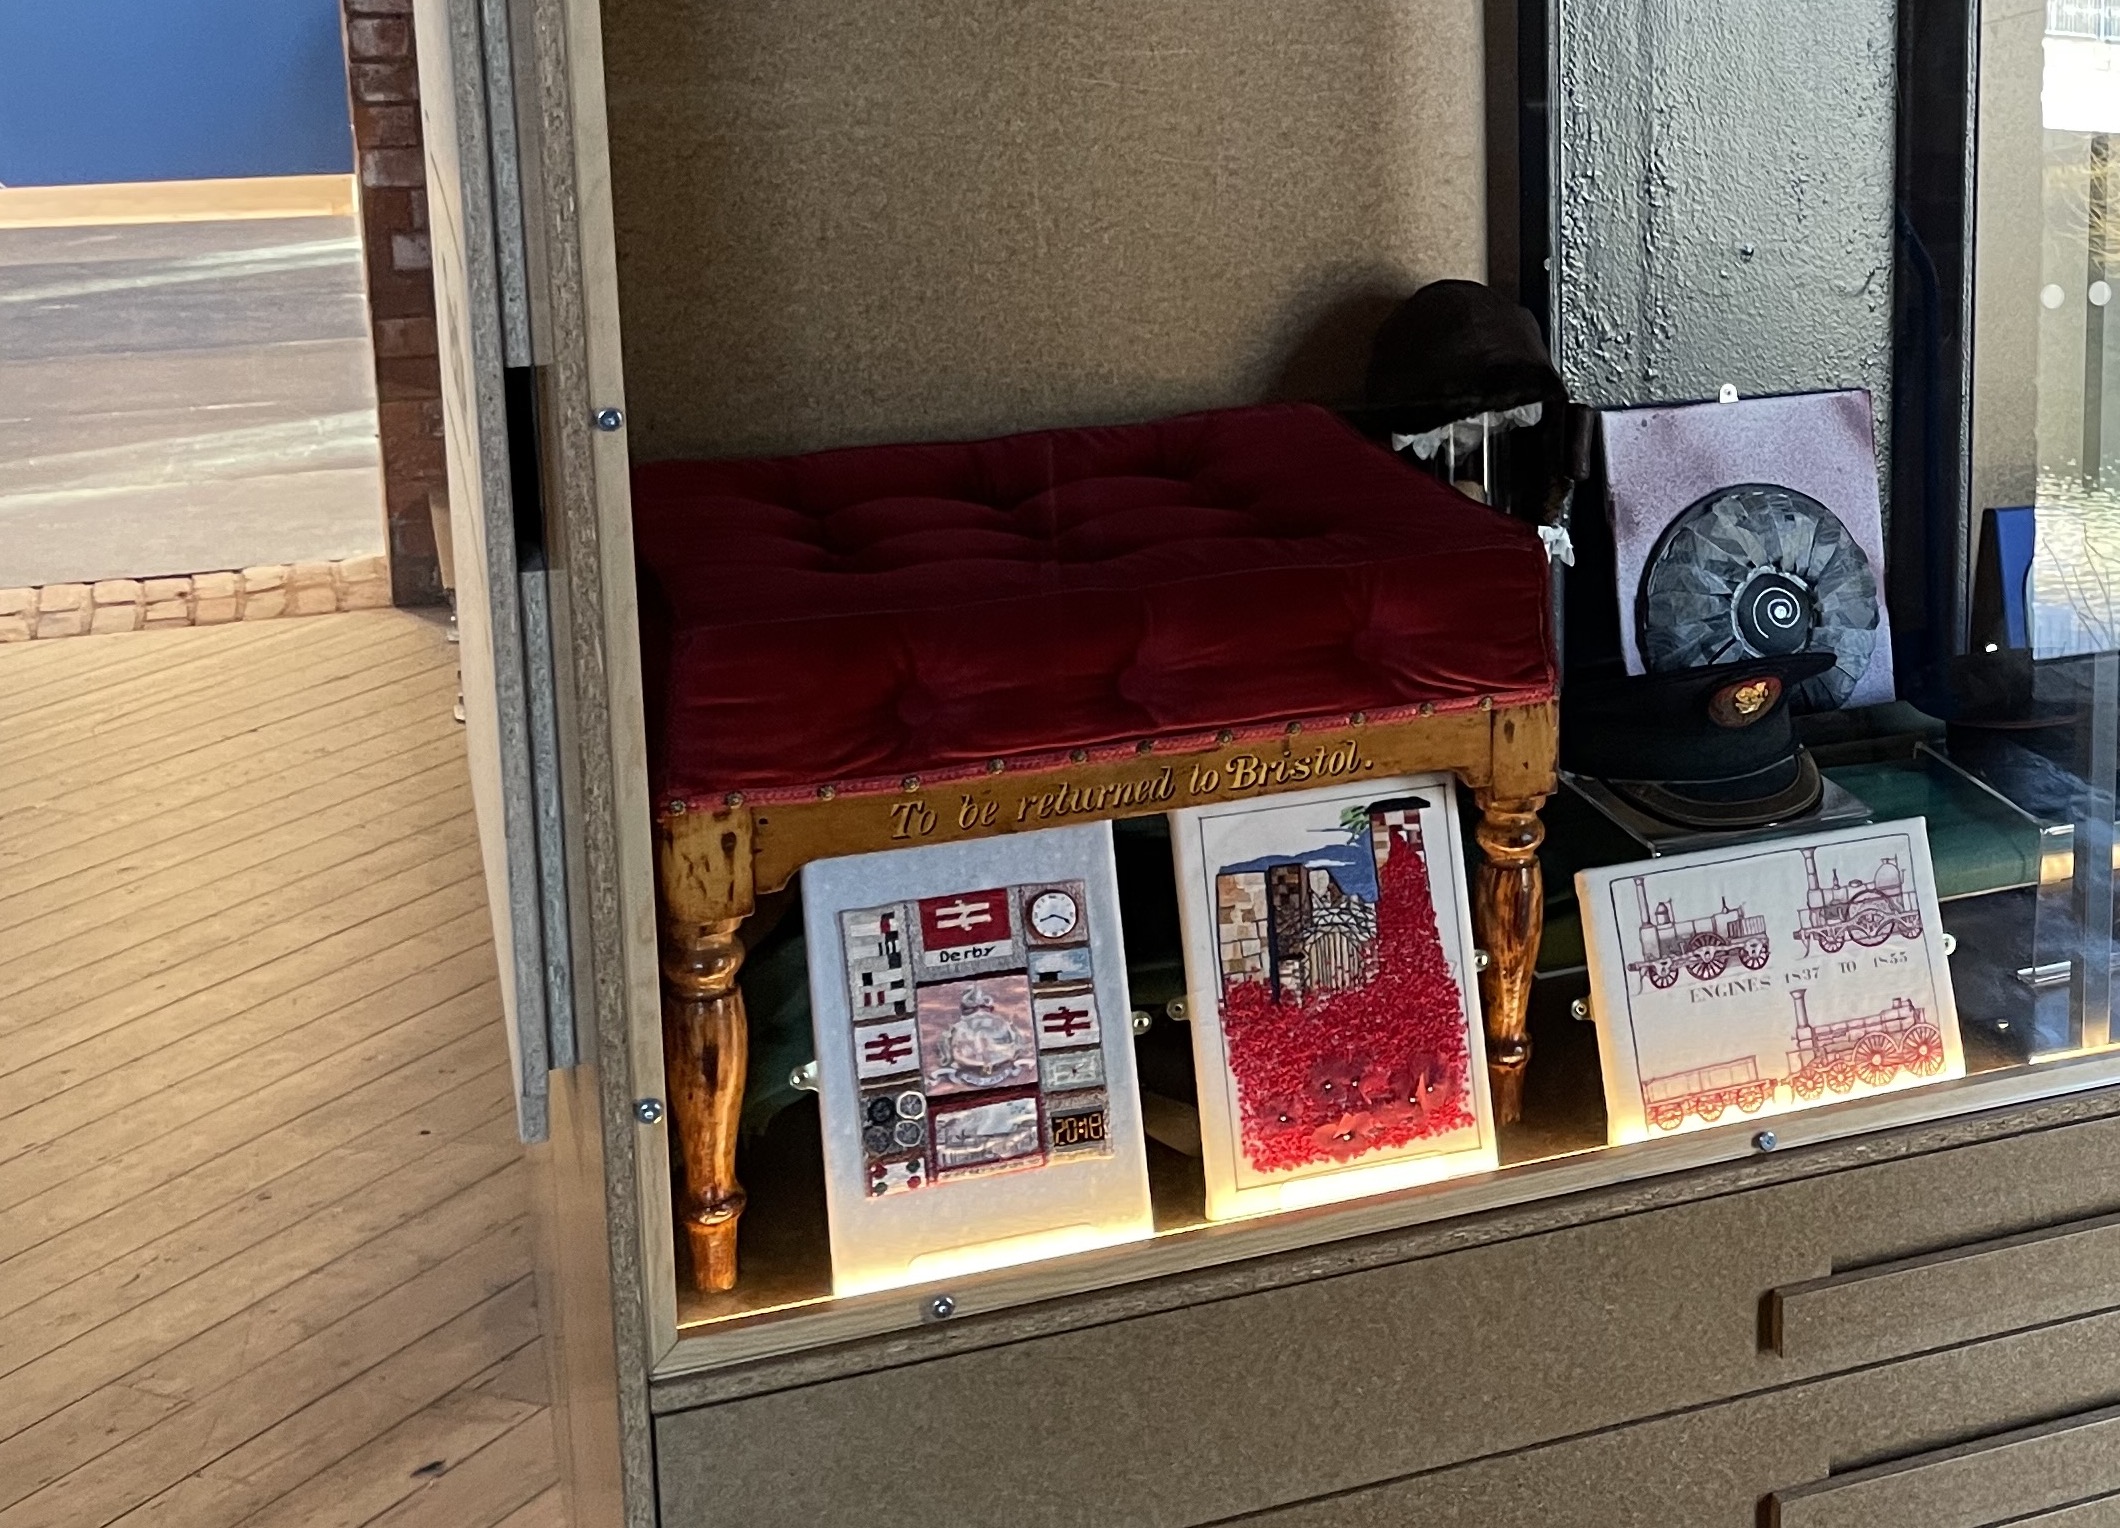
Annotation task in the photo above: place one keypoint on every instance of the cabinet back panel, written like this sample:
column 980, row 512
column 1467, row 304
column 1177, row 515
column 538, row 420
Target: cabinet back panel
column 847, row 221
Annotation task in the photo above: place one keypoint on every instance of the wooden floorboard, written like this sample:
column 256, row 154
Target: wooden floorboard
column 152, row 697
column 164, row 821
column 113, row 670
column 185, row 861
column 264, row 1249
column 42, row 671
column 188, row 719
column 150, row 671
column 255, row 873
column 199, row 725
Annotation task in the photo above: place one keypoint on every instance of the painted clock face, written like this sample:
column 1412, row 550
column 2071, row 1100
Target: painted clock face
column 1054, row 914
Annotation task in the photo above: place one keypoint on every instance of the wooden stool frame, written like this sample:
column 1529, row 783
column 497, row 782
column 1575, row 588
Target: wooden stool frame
column 714, row 862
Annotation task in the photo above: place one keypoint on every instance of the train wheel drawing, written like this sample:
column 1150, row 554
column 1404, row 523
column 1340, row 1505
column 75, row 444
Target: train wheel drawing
column 1754, row 1098
column 1711, row 1109
column 1830, row 941
column 1840, row 1074
column 1663, row 974
column 1706, row 957
column 1876, row 1062
column 1924, row 1052
column 1754, row 953
column 1808, row 1084
column 1871, row 928
column 1910, row 925
column 1667, row 1117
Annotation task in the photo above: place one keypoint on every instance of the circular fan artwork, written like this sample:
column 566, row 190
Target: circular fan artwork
column 1758, row 571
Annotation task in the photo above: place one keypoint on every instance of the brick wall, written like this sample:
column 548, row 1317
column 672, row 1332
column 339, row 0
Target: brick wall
column 393, row 196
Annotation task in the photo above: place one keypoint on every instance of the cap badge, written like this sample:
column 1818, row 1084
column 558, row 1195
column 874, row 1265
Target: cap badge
column 1745, row 702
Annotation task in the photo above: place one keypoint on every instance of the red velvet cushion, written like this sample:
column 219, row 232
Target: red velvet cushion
column 857, row 616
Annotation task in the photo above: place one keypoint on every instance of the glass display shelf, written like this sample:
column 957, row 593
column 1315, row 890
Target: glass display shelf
column 2003, row 862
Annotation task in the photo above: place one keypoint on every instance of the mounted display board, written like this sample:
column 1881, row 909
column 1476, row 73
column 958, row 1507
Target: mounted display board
column 974, row 1056
column 1336, row 1024
column 1767, row 977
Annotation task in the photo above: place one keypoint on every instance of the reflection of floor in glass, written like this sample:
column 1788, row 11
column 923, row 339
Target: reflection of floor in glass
column 2076, row 569
column 180, row 397
column 2075, row 605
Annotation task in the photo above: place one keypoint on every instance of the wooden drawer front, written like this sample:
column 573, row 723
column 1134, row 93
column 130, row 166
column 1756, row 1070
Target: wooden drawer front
column 1742, row 1462
column 1945, row 1297
column 2102, row 1513
column 1247, row 1403
column 2055, row 1467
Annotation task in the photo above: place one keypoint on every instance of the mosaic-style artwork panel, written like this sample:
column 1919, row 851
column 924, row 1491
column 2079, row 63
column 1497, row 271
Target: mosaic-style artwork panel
column 977, row 1040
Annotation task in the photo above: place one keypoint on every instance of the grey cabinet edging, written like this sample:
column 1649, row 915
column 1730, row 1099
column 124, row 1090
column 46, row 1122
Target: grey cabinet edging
column 946, row 1339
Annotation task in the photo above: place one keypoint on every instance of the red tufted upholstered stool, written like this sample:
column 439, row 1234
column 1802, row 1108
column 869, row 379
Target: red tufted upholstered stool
column 904, row 644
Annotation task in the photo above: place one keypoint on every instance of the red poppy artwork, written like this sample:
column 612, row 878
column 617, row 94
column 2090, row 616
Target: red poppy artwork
column 1342, row 1035
column 1359, row 1048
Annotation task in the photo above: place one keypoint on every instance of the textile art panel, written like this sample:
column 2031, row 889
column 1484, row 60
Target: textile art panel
column 977, row 1039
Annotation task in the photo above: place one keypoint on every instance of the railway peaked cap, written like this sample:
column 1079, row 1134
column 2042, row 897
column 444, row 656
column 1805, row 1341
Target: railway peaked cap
column 1711, row 748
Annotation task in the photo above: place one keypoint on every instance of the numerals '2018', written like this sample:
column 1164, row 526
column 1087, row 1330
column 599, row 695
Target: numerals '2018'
column 1078, row 1129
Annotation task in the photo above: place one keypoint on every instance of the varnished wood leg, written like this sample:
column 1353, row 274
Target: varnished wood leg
column 1508, row 916
column 704, row 863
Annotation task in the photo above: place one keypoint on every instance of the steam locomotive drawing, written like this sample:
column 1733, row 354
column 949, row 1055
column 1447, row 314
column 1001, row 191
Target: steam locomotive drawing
column 1866, row 912
column 1871, row 1050
column 1701, row 947
column 1705, row 1093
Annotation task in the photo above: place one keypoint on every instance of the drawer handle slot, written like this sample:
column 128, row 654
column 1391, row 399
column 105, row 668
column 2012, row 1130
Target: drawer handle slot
column 1943, row 1298
column 2064, row 1473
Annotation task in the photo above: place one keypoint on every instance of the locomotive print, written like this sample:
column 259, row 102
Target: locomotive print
column 1703, row 948
column 1706, row 1092
column 1871, row 1050
column 1864, row 912
column 1758, row 978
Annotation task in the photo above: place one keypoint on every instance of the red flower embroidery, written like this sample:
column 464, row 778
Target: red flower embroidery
column 1335, row 1075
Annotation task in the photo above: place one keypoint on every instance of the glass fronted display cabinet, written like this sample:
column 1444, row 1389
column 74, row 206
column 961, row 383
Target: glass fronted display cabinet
column 1198, row 668
column 1958, row 741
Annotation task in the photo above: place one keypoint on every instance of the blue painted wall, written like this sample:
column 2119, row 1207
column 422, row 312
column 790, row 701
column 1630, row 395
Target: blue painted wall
column 109, row 90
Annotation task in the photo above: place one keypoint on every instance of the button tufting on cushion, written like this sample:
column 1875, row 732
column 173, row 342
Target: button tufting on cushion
column 881, row 611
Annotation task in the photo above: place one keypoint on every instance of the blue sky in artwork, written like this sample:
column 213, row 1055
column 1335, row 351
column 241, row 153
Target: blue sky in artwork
column 1354, row 866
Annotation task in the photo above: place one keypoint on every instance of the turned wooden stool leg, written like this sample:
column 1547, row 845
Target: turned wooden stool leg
column 1508, row 916
column 704, row 863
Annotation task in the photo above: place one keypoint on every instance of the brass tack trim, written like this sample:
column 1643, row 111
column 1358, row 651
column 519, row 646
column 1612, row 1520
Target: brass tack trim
column 1146, row 745
column 1486, row 702
column 910, row 783
column 1226, row 735
column 827, row 792
column 1358, row 719
column 995, row 766
column 734, row 798
column 1078, row 756
column 676, row 809
column 1427, row 708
